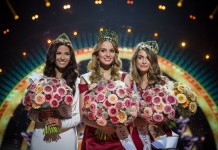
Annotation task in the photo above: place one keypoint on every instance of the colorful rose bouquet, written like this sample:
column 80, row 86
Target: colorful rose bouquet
column 187, row 99
column 110, row 103
column 157, row 106
column 49, row 93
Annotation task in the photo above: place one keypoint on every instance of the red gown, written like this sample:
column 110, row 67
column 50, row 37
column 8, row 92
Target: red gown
column 91, row 142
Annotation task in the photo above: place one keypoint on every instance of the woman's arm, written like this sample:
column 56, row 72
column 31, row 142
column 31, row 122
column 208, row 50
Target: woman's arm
column 128, row 80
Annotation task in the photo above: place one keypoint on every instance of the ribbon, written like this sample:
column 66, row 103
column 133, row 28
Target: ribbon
column 144, row 136
column 166, row 142
column 125, row 138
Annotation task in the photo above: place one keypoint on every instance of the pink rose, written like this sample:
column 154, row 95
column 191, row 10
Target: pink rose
column 171, row 99
column 48, row 97
column 91, row 116
column 55, row 81
column 102, row 122
column 39, row 99
column 112, row 111
column 156, row 100
column 57, row 96
column 68, row 99
column 106, row 103
column 119, row 104
column 147, row 112
column 121, row 92
column 161, row 94
column 100, row 89
column 93, row 106
column 158, row 117
column 127, row 102
column 112, row 98
column 32, row 87
column 47, row 89
column 148, row 99
column 54, row 103
column 167, row 109
column 114, row 120
column 61, row 91
column 111, row 87
column 100, row 97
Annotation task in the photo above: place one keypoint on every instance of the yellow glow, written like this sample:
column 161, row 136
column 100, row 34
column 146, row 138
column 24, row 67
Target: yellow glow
column 47, row 4
column 24, row 53
column 16, row 17
column 160, row 7
column 33, row 18
column 7, row 30
column 36, row 16
column 129, row 30
column 179, row 4
column 48, row 41
column 75, row 33
column 211, row 17
column 96, row 2
column 101, row 29
column 1, row 70
column 163, row 7
column 207, row 56
column 100, row 2
column 4, row 32
column 183, row 44
column 156, row 34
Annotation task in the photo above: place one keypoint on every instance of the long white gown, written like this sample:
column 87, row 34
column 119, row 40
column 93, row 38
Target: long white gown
column 68, row 136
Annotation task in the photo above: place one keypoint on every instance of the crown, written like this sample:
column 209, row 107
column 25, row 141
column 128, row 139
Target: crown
column 63, row 38
column 107, row 34
column 152, row 45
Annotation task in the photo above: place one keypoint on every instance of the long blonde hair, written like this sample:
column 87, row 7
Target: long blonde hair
column 93, row 64
column 154, row 73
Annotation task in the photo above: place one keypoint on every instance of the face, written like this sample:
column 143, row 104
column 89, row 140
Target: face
column 142, row 62
column 62, row 57
column 106, row 54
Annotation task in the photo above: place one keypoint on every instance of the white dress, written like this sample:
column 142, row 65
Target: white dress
column 67, row 138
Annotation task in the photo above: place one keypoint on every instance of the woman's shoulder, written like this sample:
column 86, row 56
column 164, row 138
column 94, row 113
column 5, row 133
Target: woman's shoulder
column 86, row 77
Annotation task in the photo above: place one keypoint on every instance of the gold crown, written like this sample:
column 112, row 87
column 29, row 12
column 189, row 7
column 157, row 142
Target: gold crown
column 152, row 45
column 63, row 38
column 108, row 34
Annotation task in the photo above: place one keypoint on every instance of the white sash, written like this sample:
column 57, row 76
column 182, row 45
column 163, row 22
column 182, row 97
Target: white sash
column 144, row 136
column 125, row 138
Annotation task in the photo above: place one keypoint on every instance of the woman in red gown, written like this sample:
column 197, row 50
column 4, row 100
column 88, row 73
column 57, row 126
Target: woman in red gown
column 104, row 65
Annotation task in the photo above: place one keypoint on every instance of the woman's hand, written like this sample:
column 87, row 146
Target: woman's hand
column 139, row 122
column 54, row 122
column 45, row 114
column 109, row 130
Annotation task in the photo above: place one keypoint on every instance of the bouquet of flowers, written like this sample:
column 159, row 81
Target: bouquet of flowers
column 49, row 93
column 187, row 99
column 110, row 103
column 157, row 106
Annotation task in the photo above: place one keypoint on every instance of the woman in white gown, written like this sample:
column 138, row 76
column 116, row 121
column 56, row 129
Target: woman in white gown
column 60, row 63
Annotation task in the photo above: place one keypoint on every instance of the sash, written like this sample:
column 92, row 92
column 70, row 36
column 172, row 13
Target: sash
column 144, row 136
column 125, row 138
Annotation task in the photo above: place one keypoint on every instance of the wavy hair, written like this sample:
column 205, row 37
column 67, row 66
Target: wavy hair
column 93, row 65
column 70, row 73
column 154, row 73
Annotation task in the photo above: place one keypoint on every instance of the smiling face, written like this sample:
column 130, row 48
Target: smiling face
column 142, row 62
column 62, row 58
column 106, row 54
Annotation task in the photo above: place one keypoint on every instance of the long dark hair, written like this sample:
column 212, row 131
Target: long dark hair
column 70, row 73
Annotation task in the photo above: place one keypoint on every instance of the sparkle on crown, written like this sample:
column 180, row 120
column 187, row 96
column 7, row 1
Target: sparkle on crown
column 152, row 45
column 107, row 34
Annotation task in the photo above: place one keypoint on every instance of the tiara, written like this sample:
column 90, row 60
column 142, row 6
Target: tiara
column 107, row 34
column 63, row 38
column 152, row 45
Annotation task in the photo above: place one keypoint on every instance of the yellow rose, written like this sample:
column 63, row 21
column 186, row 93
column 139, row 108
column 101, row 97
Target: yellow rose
column 87, row 104
column 35, row 106
column 181, row 88
column 181, row 98
column 193, row 96
column 122, row 116
column 185, row 104
column 39, row 89
column 193, row 107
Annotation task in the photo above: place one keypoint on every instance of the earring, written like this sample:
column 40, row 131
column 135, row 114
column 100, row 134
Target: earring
column 98, row 63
